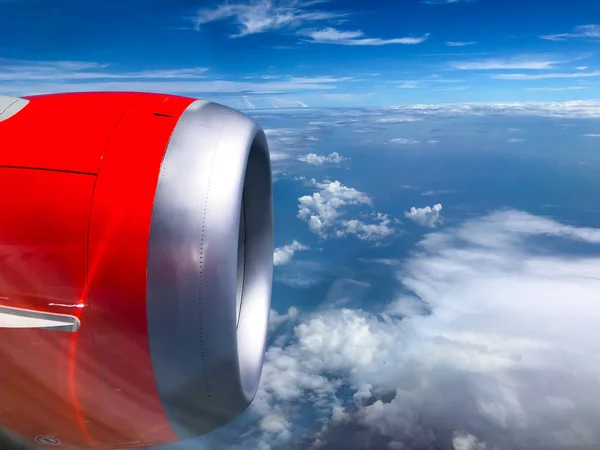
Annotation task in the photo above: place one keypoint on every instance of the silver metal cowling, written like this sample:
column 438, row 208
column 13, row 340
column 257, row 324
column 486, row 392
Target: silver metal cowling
column 210, row 268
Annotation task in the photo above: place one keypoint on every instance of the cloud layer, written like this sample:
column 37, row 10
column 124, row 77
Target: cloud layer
column 491, row 345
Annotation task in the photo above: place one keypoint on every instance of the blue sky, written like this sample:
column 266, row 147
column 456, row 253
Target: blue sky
column 290, row 53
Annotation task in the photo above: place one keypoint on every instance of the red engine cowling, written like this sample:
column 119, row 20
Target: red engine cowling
column 136, row 249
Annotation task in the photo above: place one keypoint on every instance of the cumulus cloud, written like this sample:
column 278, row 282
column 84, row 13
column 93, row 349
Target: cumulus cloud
column 492, row 347
column 331, row 35
column 325, row 212
column 429, row 216
column 283, row 255
column 318, row 160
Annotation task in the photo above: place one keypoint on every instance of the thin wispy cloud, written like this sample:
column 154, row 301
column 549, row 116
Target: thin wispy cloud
column 507, row 63
column 566, row 88
column 460, row 43
column 19, row 70
column 35, row 77
column 458, row 88
column 443, row 2
column 247, row 103
column 582, row 31
column 426, row 82
column 575, row 109
column 260, row 16
column 331, row 35
column 543, row 76
column 410, row 85
column 403, row 141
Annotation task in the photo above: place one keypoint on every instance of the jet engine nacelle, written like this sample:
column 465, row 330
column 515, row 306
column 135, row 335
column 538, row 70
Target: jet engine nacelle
column 136, row 250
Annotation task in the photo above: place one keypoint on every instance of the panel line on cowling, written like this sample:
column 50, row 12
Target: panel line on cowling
column 201, row 265
column 76, row 172
column 242, row 275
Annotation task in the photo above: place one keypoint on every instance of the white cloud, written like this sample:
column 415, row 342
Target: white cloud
column 566, row 88
column 403, row 141
column 248, row 103
column 515, row 140
column 577, row 109
column 544, row 76
column 318, row 160
column 429, row 216
column 409, row 85
column 582, row 67
column 282, row 102
column 582, row 31
column 260, row 16
column 442, row 2
column 460, row 43
column 592, row 135
column 278, row 156
column 334, row 36
column 466, row 441
column 34, row 77
column 433, row 142
column 324, row 212
column 511, row 63
column 20, row 70
column 492, row 348
column 439, row 192
column 368, row 231
column 399, row 119
column 276, row 319
column 283, row 255
column 458, row 88
column 321, row 209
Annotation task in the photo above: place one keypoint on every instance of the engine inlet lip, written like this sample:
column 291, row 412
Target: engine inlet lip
column 211, row 231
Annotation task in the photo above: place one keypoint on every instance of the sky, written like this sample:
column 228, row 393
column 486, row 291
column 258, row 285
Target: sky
column 296, row 53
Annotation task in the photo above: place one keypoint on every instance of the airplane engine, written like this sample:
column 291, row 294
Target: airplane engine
column 136, row 251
